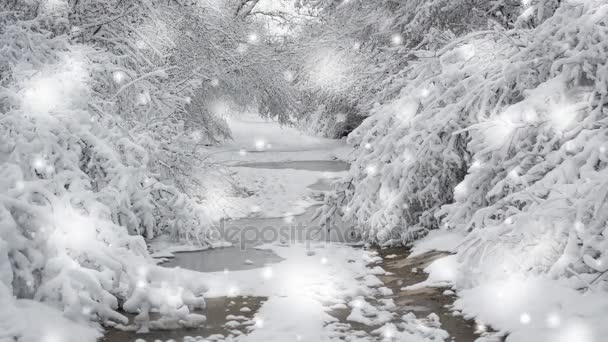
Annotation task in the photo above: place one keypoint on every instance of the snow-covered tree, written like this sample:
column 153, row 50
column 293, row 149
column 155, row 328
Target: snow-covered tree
column 498, row 132
column 368, row 46
column 99, row 134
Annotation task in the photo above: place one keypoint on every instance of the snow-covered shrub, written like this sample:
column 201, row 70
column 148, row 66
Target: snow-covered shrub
column 371, row 47
column 509, row 125
column 536, row 185
column 414, row 150
column 63, row 226
column 93, row 138
column 408, row 159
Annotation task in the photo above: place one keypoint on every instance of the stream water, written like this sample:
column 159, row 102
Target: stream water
column 308, row 165
column 245, row 256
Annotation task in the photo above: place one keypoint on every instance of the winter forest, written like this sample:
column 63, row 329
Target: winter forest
column 303, row 170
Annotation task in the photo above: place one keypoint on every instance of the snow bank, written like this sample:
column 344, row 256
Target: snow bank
column 537, row 309
column 31, row 321
column 438, row 240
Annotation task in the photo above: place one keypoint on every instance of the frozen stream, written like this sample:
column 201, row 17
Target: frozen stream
column 236, row 259
column 245, row 257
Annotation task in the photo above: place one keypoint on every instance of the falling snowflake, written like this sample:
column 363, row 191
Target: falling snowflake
column 260, row 144
column 553, row 320
column 475, row 165
column 119, row 76
column 39, row 163
column 513, row 175
column 480, row 328
column 259, row 322
column 396, row 39
column 288, row 75
column 371, row 170
column 253, row 38
column 267, row 272
column 388, row 334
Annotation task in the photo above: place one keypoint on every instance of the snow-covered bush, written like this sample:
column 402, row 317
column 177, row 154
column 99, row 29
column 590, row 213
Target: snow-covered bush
column 96, row 143
column 536, row 185
column 68, row 195
column 501, row 134
column 357, row 54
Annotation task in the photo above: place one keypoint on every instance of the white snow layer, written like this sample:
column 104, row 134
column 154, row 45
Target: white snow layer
column 303, row 288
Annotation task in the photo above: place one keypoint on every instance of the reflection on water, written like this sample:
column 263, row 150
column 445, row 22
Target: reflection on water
column 214, row 260
column 310, row 165
column 426, row 300
column 217, row 312
column 421, row 302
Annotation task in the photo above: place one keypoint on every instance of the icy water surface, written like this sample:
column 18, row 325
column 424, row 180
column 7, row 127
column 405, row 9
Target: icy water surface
column 253, row 231
column 244, row 255
column 309, row 165
column 232, row 258
column 241, row 257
